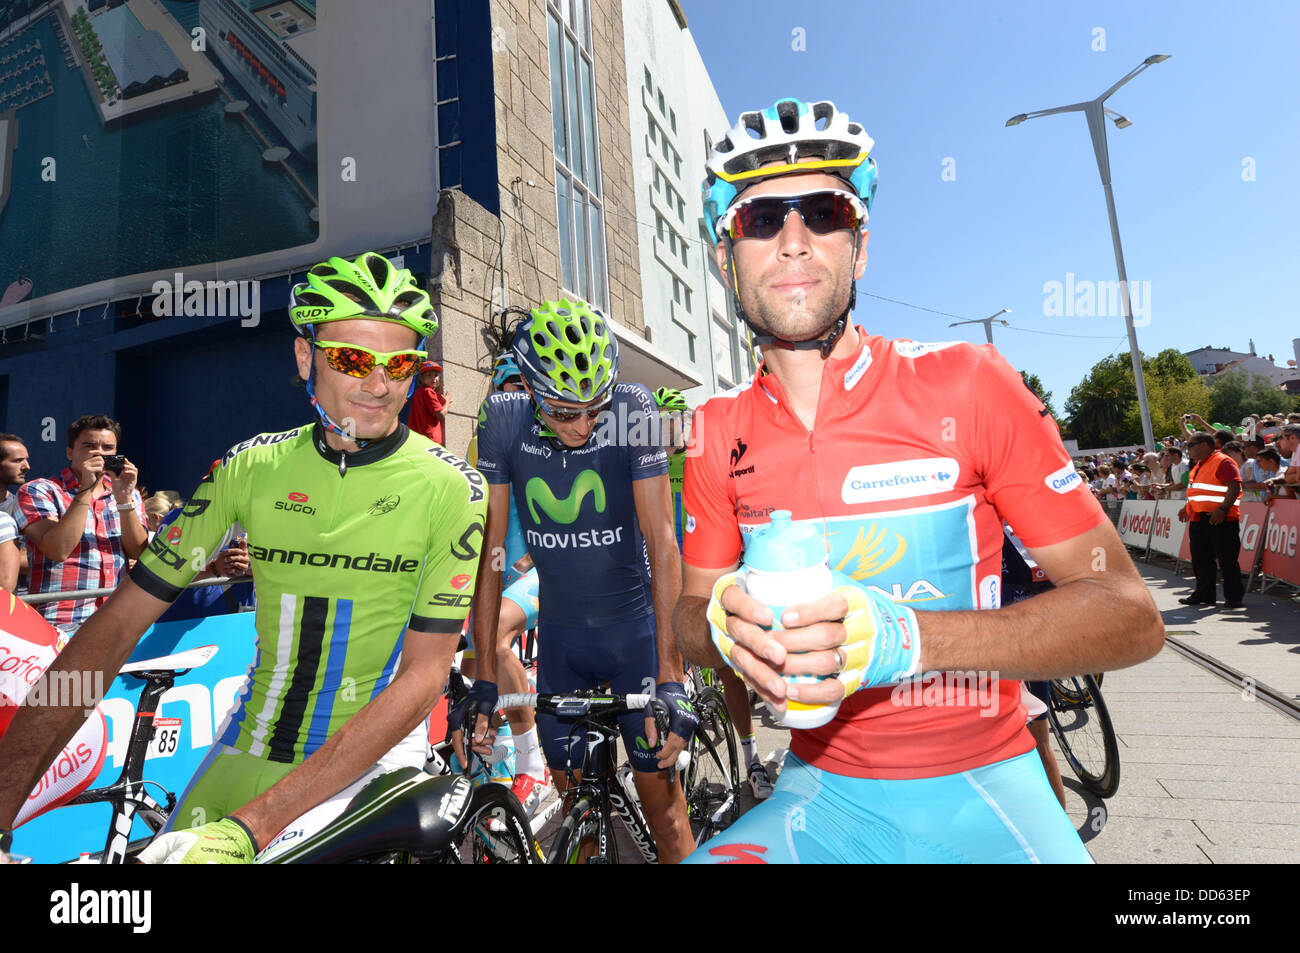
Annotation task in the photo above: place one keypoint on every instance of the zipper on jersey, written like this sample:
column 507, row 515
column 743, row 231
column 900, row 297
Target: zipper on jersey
column 343, row 463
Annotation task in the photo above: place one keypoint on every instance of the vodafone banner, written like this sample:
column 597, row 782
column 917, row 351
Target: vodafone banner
column 1281, row 541
column 1135, row 522
column 1254, row 518
column 1167, row 533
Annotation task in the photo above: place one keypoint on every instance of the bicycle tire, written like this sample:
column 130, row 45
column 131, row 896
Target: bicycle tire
column 711, row 781
column 1069, row 692
column 1082, row 726
column 581, row 826
column 495, row 830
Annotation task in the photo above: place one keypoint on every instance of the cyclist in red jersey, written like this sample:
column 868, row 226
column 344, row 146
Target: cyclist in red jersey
column 908, row 457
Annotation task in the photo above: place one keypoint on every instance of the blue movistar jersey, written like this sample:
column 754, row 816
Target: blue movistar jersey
column 576, row 507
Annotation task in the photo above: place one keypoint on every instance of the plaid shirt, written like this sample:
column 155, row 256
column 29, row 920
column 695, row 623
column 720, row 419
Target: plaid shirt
column 97, row 562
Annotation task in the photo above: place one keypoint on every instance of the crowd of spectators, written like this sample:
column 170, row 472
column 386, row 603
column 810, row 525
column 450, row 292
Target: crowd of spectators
column 1264, row 449
column 83, row 528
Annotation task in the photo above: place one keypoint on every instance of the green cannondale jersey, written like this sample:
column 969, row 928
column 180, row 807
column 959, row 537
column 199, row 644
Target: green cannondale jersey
column 348, row 557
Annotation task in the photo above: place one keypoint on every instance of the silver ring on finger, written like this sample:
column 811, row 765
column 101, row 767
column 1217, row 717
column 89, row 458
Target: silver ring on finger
column 840, row 659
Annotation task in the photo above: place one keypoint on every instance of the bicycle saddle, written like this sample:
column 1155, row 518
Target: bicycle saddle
column 181, row 661
column 405, row 809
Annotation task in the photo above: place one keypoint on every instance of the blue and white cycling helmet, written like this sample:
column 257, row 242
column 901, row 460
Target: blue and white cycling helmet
column 790, row 130
column 504, row 369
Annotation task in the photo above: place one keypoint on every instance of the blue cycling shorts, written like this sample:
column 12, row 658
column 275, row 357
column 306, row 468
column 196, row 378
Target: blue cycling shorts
column 1000, row 813
column 569, row 659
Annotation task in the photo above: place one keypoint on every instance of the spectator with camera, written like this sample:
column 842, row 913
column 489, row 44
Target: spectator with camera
column 85, row 524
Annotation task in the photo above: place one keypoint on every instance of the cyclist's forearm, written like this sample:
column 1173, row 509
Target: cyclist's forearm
column 39, row 732
column 665, row 587
column 365, row 738
column 1090, row 625
column 691, row 625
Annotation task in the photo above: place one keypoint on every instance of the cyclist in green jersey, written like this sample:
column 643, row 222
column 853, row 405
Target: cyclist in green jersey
column 365, row 559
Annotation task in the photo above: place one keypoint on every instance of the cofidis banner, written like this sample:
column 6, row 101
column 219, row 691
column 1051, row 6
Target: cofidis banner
column 187, row 723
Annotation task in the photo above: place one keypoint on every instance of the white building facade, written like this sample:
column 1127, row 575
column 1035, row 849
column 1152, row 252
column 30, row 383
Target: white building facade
column 674, row 114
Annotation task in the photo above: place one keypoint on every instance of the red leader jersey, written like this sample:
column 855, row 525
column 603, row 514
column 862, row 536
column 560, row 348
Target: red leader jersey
column 919, row 453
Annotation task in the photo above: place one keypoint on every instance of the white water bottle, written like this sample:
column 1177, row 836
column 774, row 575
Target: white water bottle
column 786, row 565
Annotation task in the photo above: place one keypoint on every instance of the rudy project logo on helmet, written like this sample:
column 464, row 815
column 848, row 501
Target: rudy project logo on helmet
column 564, row 510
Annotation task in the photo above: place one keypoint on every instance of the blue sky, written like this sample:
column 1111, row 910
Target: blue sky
column 933, row 81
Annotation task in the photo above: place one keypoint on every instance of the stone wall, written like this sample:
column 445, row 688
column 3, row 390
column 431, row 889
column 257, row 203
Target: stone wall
column 477, row 275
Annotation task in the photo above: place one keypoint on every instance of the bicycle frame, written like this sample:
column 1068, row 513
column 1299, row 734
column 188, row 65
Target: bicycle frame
column 611, row 790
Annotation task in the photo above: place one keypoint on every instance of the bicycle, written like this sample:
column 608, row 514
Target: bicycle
column 711, row 780
column 1081, row 723
column 128, row 795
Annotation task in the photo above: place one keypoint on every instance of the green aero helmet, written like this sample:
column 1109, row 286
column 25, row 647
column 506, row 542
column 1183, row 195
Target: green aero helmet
column 369, row 288
column 567, row 351
column 669, row 399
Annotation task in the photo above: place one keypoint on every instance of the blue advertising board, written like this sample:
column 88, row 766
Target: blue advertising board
column 188, row 721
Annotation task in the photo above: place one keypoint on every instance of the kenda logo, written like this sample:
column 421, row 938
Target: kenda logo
column 472, row 476
column 131, row 907
column 565, row 510
column 1063, row 480
column 900, row 481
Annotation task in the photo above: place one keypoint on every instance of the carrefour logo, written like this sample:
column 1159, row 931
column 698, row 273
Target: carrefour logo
column 564, row 510
column 1063, row 480
column 899, row 481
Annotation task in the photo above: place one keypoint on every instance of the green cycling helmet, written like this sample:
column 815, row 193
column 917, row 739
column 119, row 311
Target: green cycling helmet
column 669, row 399
column 370, row 287
column 567, row 351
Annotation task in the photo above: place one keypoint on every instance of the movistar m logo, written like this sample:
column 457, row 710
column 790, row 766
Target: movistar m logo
column 564, row 510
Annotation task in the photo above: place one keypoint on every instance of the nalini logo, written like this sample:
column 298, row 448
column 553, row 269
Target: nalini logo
column 900, row 481
column 1063, row 480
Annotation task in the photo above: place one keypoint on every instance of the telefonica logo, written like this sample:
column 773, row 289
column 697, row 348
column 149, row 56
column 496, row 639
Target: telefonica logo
column 564, row 510
column 900, row 481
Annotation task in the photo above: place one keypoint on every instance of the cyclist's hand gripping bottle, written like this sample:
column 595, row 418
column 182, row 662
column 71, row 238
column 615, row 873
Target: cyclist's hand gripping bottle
column 786, row 565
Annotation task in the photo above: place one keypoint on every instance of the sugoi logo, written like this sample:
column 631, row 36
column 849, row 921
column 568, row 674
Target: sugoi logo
column 298, row 497
column 740, row 853
column 385, row 504
column 1063, row 480
column 899, row 481
column 564, row 510
column 738, row 451
column 460, row 582
column 297, row 504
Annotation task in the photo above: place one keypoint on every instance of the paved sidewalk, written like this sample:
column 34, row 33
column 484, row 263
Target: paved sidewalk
column 1208, row 774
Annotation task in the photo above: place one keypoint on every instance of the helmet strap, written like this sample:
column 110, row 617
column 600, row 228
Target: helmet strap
column 326, row 421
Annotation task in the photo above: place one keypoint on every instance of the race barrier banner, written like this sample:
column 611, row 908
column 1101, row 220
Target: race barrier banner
column 1254, row 518
column 1282, row 542
column 189, row 717
column 1135, row 520
column 1167, row 533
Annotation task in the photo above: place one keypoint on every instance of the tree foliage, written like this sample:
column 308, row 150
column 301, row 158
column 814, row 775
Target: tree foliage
column 1037, row 387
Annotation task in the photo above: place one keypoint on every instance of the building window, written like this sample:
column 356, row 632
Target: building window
column 581, row 211
column 672, row 119
column 724, row 355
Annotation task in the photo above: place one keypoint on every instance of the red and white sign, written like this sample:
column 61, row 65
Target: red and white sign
column 1135, row 520
column 1167, row 533
column 1281, row 541
column 1254, row 520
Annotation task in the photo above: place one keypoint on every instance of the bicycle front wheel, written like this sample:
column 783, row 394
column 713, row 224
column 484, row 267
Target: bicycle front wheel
column 1081, row 723
column 495, row 830
column 712, row 779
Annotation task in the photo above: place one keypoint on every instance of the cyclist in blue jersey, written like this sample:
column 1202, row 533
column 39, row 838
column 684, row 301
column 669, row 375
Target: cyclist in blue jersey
column 594, row 504
column 519, row 603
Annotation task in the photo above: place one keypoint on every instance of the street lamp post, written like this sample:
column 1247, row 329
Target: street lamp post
column 987, row 322
column 1096, row 112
